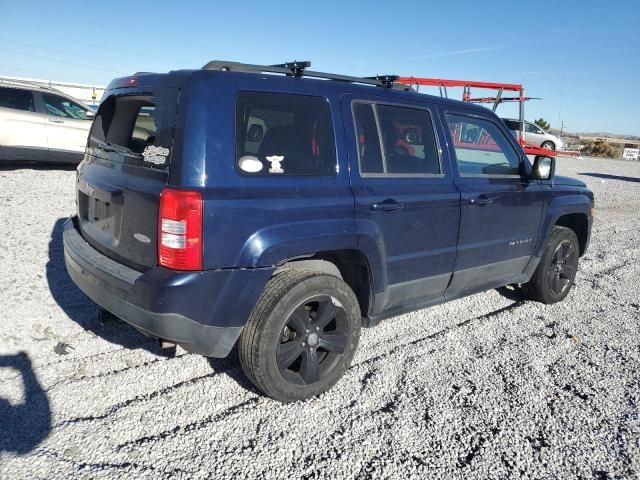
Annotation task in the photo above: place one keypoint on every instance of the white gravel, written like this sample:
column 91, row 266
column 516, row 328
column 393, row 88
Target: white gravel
column 484, row 387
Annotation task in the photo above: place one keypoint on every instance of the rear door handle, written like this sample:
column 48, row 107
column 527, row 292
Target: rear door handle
column 55, row 120
column 480, row 201
column 388, row 205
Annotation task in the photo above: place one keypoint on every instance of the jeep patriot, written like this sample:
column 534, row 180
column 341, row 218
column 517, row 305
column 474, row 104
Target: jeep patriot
column 280, row 210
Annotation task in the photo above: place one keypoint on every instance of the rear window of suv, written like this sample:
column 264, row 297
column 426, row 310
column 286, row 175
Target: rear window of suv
column 284, row 134
column 134, row 128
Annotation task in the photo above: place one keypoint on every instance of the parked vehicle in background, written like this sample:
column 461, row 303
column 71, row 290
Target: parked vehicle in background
column 41, row 124
column 283, row 212
column 534, row 135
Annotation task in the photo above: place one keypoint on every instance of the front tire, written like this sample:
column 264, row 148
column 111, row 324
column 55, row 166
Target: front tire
column 548, row 145
column 301, row 336
column 554, row 276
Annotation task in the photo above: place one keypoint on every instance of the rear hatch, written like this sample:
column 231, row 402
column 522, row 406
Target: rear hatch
column 129, row 154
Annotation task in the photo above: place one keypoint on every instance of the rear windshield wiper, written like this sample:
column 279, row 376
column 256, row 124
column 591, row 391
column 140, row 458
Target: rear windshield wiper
column 110, row 147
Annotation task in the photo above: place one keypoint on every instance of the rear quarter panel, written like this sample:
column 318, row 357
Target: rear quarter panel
column 254, row 221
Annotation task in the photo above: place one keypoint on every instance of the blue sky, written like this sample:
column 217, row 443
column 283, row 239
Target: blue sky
column 581, row 57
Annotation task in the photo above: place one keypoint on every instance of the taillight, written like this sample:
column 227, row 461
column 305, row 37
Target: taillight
column 180, row 230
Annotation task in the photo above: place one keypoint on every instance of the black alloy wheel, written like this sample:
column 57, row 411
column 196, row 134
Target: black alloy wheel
column 301, row 336
column 313, row 340
column 562, row 269
column 556, row 271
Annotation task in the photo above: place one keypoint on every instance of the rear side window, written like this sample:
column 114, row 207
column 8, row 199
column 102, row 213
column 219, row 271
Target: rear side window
column 283, row 134
column 369, row 152
column 481, row 147
column 512, row 124
column 17, row 99
column 395, row 140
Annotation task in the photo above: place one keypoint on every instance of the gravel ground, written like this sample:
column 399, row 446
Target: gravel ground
column 484, row 387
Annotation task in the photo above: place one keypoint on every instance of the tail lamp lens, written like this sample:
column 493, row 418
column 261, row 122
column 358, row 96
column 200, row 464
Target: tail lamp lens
column 180, row 229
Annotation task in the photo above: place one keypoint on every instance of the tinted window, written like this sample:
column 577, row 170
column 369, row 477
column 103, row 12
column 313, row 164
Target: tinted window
column 367, row 139
column 481, row 148
column 139, row 127
column 512, row 124
column 144, row 128
column 62, row 107
column 282, row 134
column 17, row 99
column 406, row 137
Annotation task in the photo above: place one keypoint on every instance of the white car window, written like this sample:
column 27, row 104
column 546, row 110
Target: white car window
column 17, row 99
column 531, row 128
column 62, row 107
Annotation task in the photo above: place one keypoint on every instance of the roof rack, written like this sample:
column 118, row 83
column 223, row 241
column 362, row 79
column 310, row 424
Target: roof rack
column 27, row 83
column 299, row 69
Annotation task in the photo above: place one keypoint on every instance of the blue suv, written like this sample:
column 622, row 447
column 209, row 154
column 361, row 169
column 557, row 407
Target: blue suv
column 280, row 210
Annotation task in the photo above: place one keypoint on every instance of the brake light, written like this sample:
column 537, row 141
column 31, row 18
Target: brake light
column 180, row 229
column 126, row 82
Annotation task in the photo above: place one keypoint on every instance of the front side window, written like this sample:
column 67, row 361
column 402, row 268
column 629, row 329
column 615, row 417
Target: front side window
column 481, row 147
column 17, row 99
column 61, row 107
column 395, row 140
column 531, row 128
column 284, row 134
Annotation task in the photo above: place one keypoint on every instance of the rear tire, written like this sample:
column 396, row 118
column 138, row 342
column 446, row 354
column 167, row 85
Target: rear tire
column 554, row 276
column 548, row 145
column 301, row 336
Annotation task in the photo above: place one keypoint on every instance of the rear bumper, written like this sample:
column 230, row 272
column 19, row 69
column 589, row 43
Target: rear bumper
column 204, row 312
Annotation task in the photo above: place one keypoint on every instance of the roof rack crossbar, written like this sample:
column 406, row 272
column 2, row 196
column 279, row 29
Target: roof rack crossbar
column 386, row 81
column 298, row 69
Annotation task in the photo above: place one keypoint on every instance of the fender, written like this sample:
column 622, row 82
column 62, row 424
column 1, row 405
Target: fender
column 559, row 206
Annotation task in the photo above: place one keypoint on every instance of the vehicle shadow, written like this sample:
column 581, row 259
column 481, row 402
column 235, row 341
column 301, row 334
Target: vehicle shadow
column 231, row 366
column 79, row 308
column 25, row 425
column 611, row 177
column 7, row 166
column 512, row 292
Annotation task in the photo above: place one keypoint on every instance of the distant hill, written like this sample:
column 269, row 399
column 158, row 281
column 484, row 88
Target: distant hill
column 608, row 135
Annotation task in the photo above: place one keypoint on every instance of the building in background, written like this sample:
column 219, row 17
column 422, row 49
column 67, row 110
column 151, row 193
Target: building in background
column 88, row 94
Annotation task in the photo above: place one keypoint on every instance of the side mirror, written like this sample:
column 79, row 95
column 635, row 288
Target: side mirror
column 90, row 114
column 544, row 168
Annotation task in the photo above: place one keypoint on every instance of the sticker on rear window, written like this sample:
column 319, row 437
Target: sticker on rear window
column 275, row 161
column 155, row 155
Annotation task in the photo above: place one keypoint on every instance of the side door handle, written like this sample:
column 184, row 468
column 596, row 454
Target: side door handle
column 55, row 120
column 480, row 201
column 388, row 205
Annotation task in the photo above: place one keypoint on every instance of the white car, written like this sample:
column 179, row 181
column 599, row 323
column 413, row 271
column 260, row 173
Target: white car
column 534, row 135
column 41, row 124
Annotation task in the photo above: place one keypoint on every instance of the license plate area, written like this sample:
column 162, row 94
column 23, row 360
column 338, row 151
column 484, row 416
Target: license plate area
column 100, row 213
